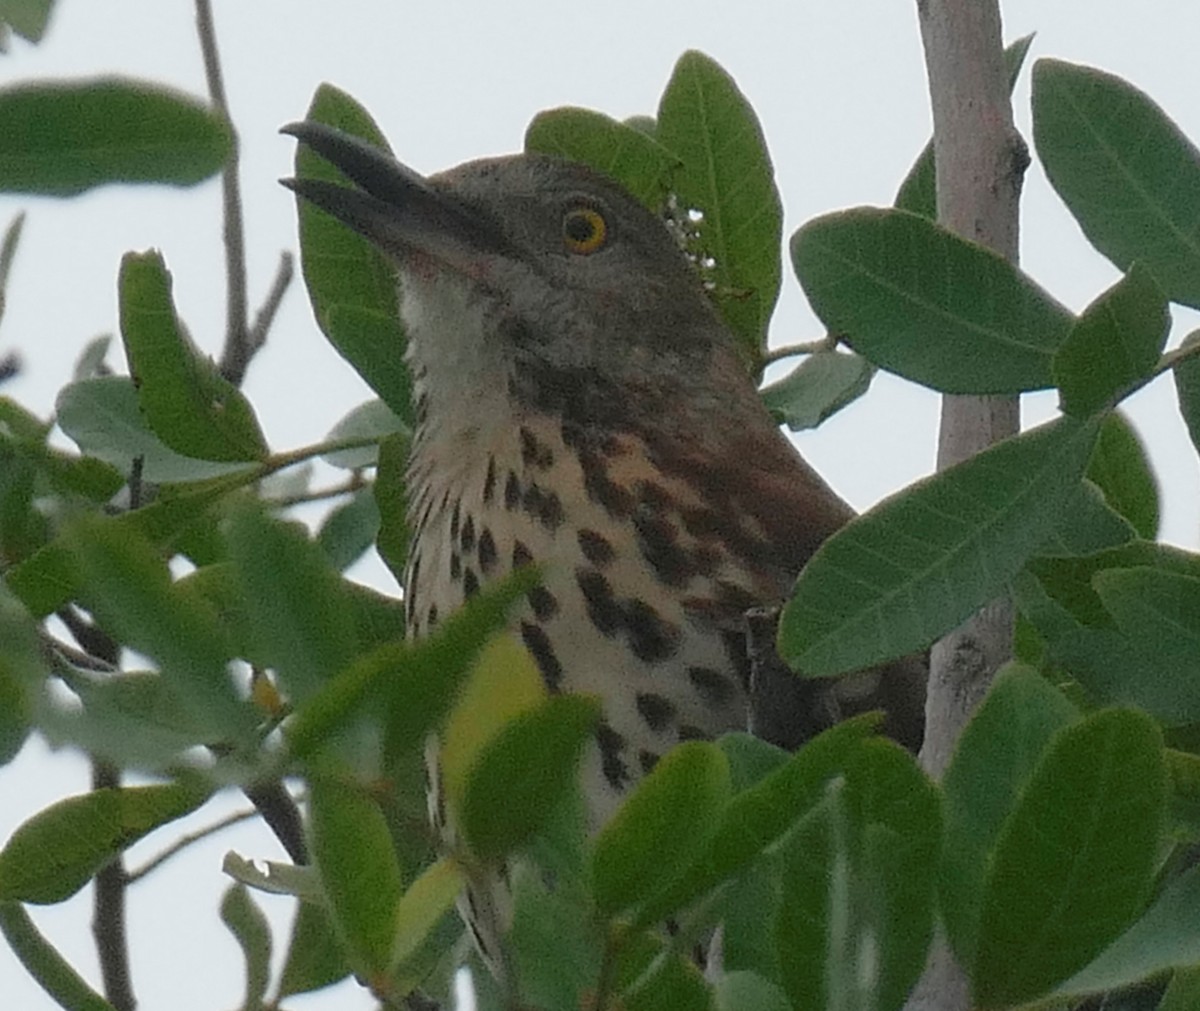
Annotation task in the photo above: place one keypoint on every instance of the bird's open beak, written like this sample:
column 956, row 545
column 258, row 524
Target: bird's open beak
column 395, row 207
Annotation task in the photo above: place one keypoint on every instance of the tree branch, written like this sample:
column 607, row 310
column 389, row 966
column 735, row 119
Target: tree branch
column 108, row 912
column 980, row 162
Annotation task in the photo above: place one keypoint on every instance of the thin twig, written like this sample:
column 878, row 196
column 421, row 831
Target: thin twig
column 827, row 343
column 108, row 912
column 355, row 483
column 279, row 811
column 186, row 840
column 236, row 354
column 265, row 316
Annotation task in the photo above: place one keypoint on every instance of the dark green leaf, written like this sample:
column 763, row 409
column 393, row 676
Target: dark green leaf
column 1187, row 387
column 1114, row 345
column 304, row 625
column 630, row 156
column 523, row 772
column 1124, row 169
column 1183, row 993
column 80, row 134
column 249, row 926
column 423, row 906
column 858, row 885
column 8, row 249
column 126, row 583
column 373, row 419
column 726, row 174
column 994, row 759
column 57, row 851
column 22, row 670
column 918, row 192
column 1121, row 469
column 43, row 962
column 1087, row 526
column 1158, row 612
column 314, row 957
column 916, row 565
column 391, row 497
column 351, row 286
column 749, row 911
column 103, row 417
column 1165, row 937
column 665, row 822
column 352, row 848
column 746, row 991
column 1074, row 861
column 919, row 301
column 751, row 759
column 28, row 18
column 350, row 529
column 821, row 385
column 188, row 404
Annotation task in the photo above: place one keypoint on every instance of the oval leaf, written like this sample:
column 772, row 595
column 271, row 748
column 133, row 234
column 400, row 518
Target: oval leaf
column 915, row 566
column 1121, row 469
column 80, row 134
column 821, row 385
column 916, row 299
column 1126, row 171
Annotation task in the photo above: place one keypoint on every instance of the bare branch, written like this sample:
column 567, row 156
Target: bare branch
column 236, row 354
column 108, row 912
column 186, row 840
column 265, row 316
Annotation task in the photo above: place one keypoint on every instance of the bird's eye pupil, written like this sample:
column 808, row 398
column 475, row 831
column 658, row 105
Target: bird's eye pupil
column 584, row 230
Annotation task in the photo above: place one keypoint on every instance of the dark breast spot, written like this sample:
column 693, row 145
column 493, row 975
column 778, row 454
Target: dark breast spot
column 455, row 517
column 470, row 583
column 602, row 606
column 655, row 710
column 687, row 732
column 601, row 489
column 521, row 555
column 431, row 618
column 467, row 538
column 533, row 452
column 650, row 637
column 660, row 547
column 512, row 491
column 543, row 602
column 544, row 506
column 647, row 760
column 455, row 565
column 595, row 547
column 489, row 482
column 713, row 687
column 487, row 551
column 538, row 644
column 611, row 743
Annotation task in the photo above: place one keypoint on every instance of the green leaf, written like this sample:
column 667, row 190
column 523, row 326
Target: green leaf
column 349, row 530
column 820, row 386
column 1124, row 169
column 995, row 757
column 304, row 625
column 1075, row 859
column 90, row 362
column 757, row 816
column 1183, row 992
column 915, row 566
column 57, row 851
column 187, row 402
column 372, row 419
column 351, row 285
column 253, row 934
column 79, row 134
column 352, row 849
column 726, row 174
column 8, row 249
column 856, row 916
column 916, row 299
column 102, row 415
column 1087, row 526
column 1158, row 612
column 28, row 18
column 1164, row 937
column 391, row 497
column 127, row 585
column 22, row 671
column 43, row 962
column 1114, row 345
column 1121, row 469
column 1187, row 387
column 630, row 156
column 665, row 822
column 314, row 956
column 522, row 773
column 918, row 192
column 746, row 991
column 423, row 905
column 751, row 759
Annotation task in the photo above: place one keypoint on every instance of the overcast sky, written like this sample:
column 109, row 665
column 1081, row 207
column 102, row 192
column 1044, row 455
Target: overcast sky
column 841, row 92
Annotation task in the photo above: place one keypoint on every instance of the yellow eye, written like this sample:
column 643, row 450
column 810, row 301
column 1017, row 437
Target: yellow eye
column 584, row 230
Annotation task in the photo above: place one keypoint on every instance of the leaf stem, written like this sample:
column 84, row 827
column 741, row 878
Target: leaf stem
column 826, row 343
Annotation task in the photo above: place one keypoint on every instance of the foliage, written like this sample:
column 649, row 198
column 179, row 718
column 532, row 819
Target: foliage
column 1047, row 855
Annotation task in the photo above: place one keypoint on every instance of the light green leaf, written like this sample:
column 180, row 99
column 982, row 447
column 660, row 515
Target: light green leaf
column 746, row 991
column 422, row 907
column 1114, row 345
column 43, row 962
column 916, row 299
column 391, row 498
column 249, row 926
column 1074, row 861
column 28, row 18
column 83, row 133
column 368, row 420
column 630, row 156
column 185, row 400
column 820, row 386
column 57, row 851
column 725, row 172
column 1124, row 169
column 918, row 564
column 314, row 956
column 349, row 530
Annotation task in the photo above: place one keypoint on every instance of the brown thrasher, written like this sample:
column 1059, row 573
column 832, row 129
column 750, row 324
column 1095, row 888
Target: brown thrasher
column 580, row 403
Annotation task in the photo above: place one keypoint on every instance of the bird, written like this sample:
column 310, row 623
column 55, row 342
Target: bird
column 580, row 404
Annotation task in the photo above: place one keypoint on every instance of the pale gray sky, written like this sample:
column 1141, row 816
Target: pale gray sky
column 840, row 89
